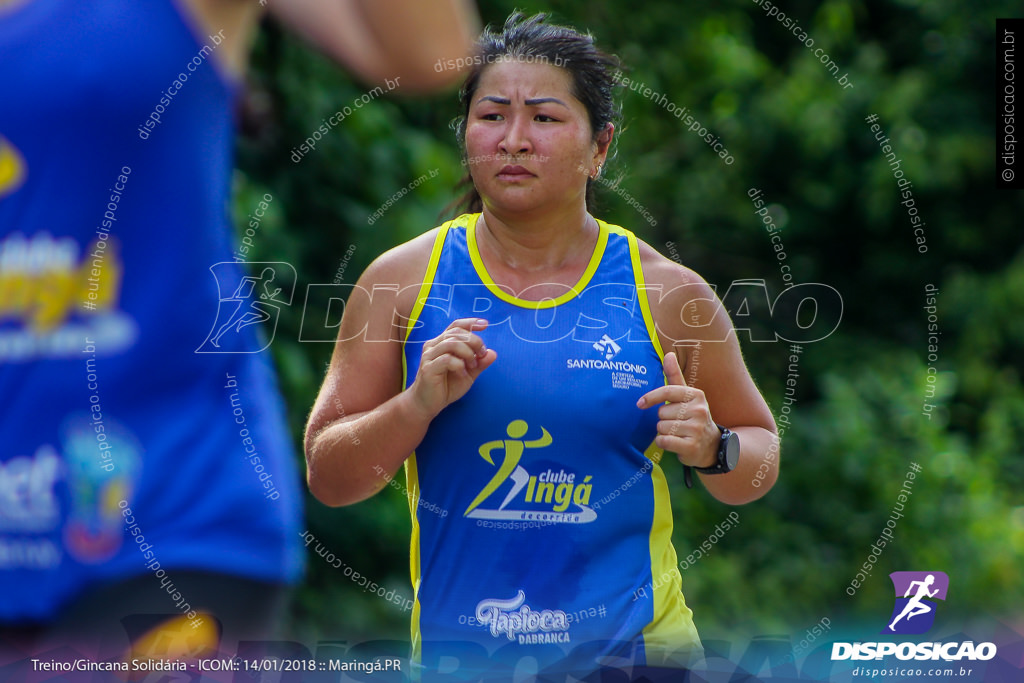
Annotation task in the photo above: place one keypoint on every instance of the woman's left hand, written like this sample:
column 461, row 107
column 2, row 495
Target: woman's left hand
column 685, row 426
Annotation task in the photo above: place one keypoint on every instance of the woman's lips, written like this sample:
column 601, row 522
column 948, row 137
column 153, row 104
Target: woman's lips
column 514, row 173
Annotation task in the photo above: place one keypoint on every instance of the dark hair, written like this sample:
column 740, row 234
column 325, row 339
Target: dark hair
column 593, row 75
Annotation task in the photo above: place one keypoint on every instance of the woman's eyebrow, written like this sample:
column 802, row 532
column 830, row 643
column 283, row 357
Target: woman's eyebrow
column 530, row 103
column 544, row 100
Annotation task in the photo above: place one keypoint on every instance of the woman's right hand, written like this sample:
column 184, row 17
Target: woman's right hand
column 449, row 365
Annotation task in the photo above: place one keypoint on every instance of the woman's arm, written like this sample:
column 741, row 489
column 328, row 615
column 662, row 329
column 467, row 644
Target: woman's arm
column 400, row 40
column 361, row 428
column 712, row 387
column 381, row 41
column 363, row 425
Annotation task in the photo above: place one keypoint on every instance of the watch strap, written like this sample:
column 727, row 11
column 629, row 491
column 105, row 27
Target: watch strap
column 721, row 465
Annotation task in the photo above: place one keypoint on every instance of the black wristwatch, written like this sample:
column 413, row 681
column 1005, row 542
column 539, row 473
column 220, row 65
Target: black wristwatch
column 728, row 455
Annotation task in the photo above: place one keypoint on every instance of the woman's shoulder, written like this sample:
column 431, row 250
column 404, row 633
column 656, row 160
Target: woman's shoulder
column 407, row 254
column 659, row 271
column 389, row 286
column 667, row 273
column 401, row 265
column 675, row 289
column 406, row 264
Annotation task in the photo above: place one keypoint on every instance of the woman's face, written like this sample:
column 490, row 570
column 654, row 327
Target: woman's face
column 528, row 139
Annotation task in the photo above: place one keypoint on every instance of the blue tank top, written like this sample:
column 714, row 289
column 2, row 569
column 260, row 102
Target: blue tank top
column 115, row 157
column 539, row 508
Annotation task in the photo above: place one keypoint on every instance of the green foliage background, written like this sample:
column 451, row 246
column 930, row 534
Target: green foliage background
column 927, row 69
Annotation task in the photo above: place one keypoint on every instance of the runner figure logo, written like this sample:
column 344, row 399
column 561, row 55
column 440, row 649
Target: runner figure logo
column 916, row 592
column 554, row 497
column 253, row 300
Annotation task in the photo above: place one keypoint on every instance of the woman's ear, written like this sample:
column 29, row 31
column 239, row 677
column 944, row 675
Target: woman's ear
column 604, row 141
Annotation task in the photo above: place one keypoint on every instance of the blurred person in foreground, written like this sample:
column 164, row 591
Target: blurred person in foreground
column 538, row 368
column 148, row 490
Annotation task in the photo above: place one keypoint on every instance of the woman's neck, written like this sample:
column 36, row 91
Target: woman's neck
column 544, row 245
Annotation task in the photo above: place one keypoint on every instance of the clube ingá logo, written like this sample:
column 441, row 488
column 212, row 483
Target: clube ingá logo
column 916, row 595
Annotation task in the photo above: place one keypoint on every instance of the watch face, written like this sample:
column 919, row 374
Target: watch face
column 732, row 450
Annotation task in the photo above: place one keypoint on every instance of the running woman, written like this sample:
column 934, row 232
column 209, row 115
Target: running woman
column 538, row 364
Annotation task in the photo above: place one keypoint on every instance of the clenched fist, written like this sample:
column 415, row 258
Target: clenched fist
column 450, row 364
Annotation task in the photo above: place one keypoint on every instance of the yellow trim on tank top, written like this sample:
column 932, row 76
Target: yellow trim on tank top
column 485, row 277
column 671, row 636
column 411, row 475
column 428, row 281
column 641, row 293
column 413, row 491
